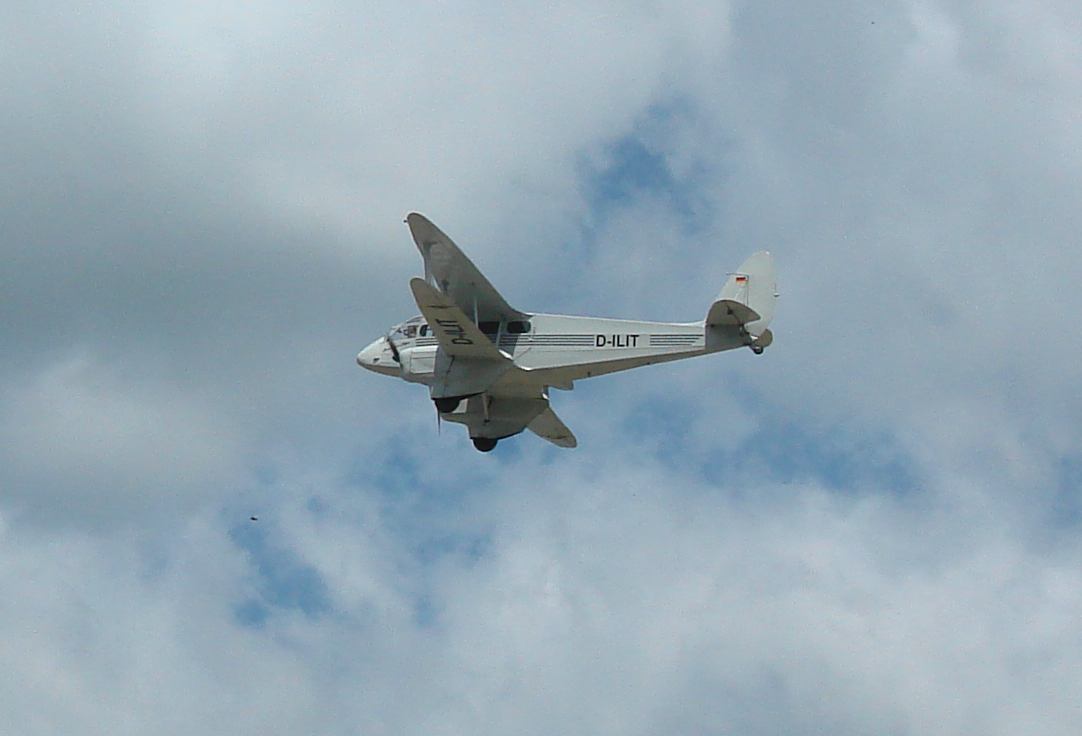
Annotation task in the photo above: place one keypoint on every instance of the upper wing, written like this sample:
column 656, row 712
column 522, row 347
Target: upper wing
column 457, row 277
column 456, row 333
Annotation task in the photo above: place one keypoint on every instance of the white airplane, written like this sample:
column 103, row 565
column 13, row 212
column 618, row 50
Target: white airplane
column 490, row 366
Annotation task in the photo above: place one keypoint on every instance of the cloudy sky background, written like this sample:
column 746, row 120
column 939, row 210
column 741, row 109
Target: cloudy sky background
column 872, row 528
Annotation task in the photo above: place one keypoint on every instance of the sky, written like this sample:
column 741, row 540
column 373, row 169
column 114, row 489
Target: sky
column 874, row 527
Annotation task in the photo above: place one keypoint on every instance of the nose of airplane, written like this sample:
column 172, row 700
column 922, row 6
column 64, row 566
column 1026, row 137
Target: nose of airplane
column 375, row 357
column 370, row 356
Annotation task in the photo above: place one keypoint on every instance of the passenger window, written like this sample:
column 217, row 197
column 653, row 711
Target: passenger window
column 489, row 328
column 424, row 330
column 518, row 327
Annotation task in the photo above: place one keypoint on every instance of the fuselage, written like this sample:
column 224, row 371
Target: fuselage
column 553, row 350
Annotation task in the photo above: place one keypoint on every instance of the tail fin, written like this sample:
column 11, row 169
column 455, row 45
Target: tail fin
column 747, row 299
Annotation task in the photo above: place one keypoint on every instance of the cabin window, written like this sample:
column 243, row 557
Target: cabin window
column 489, row 328
column 518, row 327
column 424, row 330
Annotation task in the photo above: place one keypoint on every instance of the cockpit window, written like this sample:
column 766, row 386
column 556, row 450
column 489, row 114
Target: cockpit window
column 408, row 330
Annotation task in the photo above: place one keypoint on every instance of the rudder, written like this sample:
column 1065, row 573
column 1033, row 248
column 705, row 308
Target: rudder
column 748, row 297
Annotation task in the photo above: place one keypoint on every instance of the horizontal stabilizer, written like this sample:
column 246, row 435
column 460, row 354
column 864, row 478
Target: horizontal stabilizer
column 457, row 334
column 548, row 426
column 730, row 312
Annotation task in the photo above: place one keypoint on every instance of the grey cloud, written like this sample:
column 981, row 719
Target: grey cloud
column 200, row 227
column 642, row 603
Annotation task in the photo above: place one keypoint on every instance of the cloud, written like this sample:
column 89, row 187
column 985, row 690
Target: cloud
column 81, row 447
column 871, row 528
column 620, row 597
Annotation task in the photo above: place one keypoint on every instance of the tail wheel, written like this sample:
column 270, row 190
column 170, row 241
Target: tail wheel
column 484, row 444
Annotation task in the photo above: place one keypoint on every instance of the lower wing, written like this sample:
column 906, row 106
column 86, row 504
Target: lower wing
column 548, row 426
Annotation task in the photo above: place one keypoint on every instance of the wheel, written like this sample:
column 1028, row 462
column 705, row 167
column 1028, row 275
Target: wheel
column 757, row 349
column 484, row 444
column 447, row 405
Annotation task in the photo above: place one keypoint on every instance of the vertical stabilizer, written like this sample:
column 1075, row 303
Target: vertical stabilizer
column 747, row 299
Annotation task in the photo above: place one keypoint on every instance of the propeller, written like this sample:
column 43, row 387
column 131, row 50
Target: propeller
column 394, row 349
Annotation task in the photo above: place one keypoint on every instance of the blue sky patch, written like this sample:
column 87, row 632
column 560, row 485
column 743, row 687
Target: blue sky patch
column 284, row 580
column 782, row 448
column 1066, row 510
column 638, row 164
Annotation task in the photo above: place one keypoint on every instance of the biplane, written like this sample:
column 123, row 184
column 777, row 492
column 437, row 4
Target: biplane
column 489, row 366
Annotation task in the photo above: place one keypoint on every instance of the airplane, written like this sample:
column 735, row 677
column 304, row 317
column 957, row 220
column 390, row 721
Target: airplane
column 490, row 366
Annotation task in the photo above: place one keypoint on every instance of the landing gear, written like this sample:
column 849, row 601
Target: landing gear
column 484, row 444
column 757, row 349
column 447, row 405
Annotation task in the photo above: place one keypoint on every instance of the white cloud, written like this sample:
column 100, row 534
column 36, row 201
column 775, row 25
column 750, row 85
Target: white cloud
column 83, row 445
column 861, row 531
column 626, row 599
